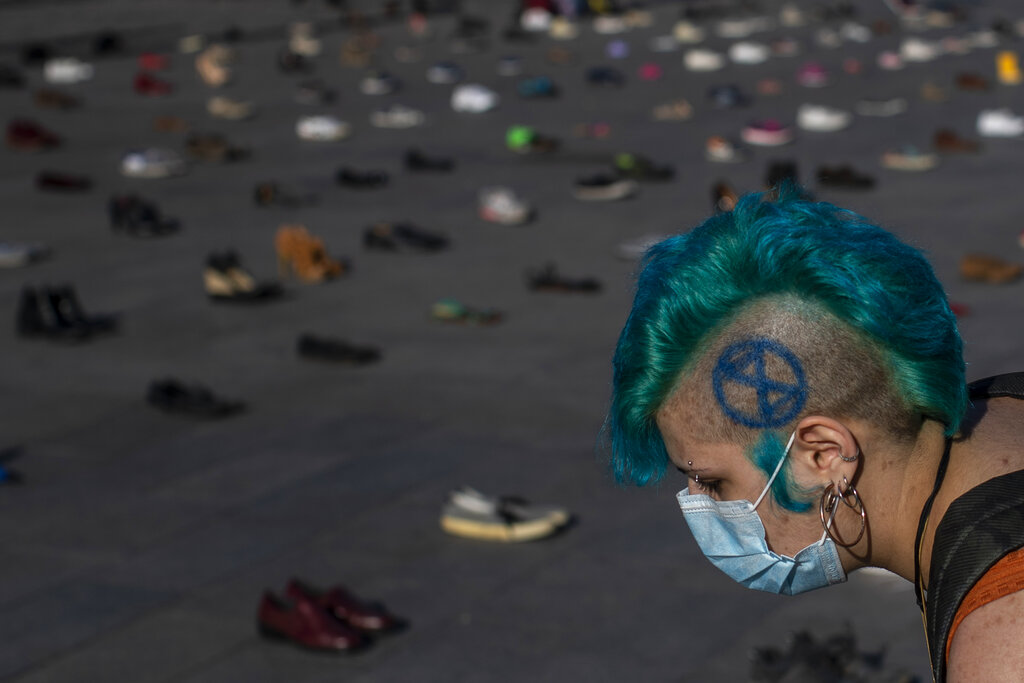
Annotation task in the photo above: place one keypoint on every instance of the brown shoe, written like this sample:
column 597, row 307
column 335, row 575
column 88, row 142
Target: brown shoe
column 346, row 607
column 301, row 254
column 982, row 268
column 946, row 140
column 54, row 99
column 306, row 624
column 170, row 124
column 972, row 82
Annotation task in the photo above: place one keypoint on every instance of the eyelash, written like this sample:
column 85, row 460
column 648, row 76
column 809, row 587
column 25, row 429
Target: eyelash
column 707, row 486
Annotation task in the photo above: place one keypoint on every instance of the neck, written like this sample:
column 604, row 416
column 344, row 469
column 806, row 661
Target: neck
column 894, row 485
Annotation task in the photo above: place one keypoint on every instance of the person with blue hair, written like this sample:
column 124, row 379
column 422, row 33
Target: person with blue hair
column 802, row 368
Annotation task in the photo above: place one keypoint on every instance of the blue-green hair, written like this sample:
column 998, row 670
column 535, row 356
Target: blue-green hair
column 691, row 285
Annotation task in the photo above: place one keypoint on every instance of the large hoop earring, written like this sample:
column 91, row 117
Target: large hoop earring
column 830, row 500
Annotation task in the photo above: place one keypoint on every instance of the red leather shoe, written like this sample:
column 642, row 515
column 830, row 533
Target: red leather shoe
column 346, row 607
column 306, row 624
column 152, row 61
column 148, row 84
column 25, row 134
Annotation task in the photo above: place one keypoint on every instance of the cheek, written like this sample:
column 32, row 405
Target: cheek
column 788, row 533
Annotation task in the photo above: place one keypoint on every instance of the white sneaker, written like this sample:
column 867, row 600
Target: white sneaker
column 152, row 163
column 791, row 16
column 745, row 52
column 917, row 50
column 378, row 84
column 322, row 128
column 700, row 59
column 502, row 205
column 473, row 98
column 608, row 25
column 1000, row 123
column 854, row 32
column 397, row 116
column 821, row 118
column 226, row 108
column 302, row 40
column 688, row 33
column 67, row 70
column 535, row 20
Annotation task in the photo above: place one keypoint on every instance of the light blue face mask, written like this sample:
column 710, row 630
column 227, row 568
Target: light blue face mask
column 732, row 537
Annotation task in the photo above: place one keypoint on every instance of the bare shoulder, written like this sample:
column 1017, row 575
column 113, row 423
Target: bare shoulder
column 989, row 644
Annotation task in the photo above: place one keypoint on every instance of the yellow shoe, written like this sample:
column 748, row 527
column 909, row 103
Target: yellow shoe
column 1008, row 68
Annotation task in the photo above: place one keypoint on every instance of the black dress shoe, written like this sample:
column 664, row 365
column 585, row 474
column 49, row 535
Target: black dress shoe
column 415, row 160
column 399, row 236
column 335, row 351
column 32, row 320
column 547, row 279
column 194, row 400
column 361, row 180
column 134, row 216
column 67, row 310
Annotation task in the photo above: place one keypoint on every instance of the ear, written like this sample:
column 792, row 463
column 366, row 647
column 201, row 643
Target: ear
column 819, row 447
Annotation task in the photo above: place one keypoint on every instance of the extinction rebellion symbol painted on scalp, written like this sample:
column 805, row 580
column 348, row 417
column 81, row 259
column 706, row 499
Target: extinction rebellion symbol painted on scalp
column 744, row 365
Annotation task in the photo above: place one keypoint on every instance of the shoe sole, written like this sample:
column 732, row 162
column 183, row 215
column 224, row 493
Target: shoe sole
column 511, row 533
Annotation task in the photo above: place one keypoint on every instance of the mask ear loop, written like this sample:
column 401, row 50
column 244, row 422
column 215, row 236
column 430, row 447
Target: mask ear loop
column 778, row 467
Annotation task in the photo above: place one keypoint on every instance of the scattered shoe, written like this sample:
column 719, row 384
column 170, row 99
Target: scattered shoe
column 506, row 519
column 153, row 61
column 1008, row 68
column 972, row 82
column 638, row 167
column 548, row 279
column 397, row 116
column 701, row 59
column 604, row 188
column 291, row 62
column 812, row 75
column 192, row 400
column 272, row 194
column 677, row 110
column 314, row 92
column 605, row 77
column 226, row 280
column 152, row 162
column 370, row 617
column 415, row 160
column 222, row 107
column 537, row 88
column 932, row 92
column 301, row 254
column 1000, row 123
column 597, row 130
column 723, row 197
column 989, row 269
column 170, row 124
column 502, row 205
column 746, row 52
column 445, row 73
column 473, row 98
column 881, row 107
column 378, row 83
column 67, row 71
column 722, row 150
column 844, row 177
column 451, row 311
column 728, row 96
column 20, row 254
column 146, row 83
column 361, row 180
column 948, row 141
column 526, row 140
column 55, row 181
column 324, row 128
column 909, row 158
column 214, row 65
column 137, row 217
column 60, row 316
column 402, row 236
column 820, row 118
column 766, row 133
column 330, row 350
column 47, row 98
column 26, row 135
column 213, row 148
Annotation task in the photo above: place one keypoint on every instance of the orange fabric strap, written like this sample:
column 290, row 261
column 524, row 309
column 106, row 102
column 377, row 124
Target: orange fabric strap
column 1005, row 577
